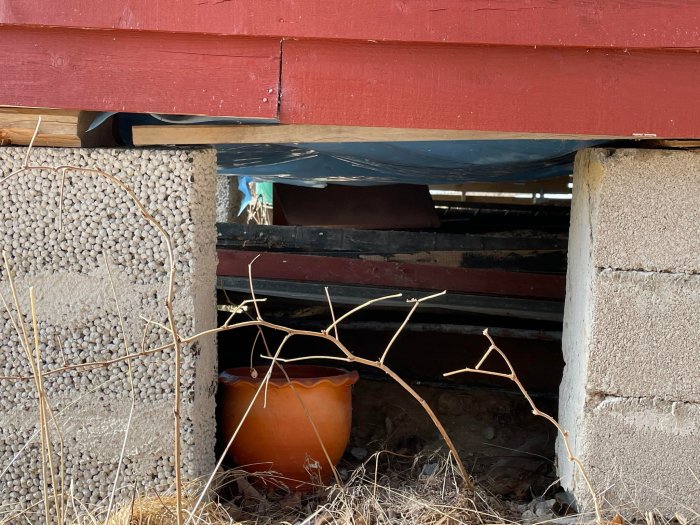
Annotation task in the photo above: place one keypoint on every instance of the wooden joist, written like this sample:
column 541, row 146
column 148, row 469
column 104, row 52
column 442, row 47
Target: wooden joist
column 60, row 128
column 295, row 238
column 341, row 270
column 550, row 261
column 673, row 144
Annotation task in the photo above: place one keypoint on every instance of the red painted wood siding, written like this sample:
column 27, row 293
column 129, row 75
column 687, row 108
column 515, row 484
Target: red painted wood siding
column 589, row 67
column 583, row 23
column 139, row 72
column 548, row 90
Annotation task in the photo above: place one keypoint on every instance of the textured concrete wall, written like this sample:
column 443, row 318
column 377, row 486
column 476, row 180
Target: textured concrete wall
column 228, row 198
column 630, row 396
column 76, row 310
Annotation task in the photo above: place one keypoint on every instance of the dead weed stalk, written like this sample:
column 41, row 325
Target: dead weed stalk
column 512, row 376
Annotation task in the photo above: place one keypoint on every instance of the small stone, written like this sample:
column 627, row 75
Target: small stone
column 544, row 509
column 429, row 469
column 358, row 453
column 565, row 500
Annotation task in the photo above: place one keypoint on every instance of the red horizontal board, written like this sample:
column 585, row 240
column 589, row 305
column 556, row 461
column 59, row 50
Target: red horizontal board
column 139, row 72
column 233, row 263
column 591, row 23
column 545, row 90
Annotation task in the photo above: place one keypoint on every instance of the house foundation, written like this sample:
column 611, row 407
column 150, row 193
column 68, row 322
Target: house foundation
column 70, row 235
column 630, row 395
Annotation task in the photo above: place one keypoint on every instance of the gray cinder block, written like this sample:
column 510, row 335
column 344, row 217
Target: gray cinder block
column 630, row 395
column 647, row 209
column 641, row 454
column 645, row 335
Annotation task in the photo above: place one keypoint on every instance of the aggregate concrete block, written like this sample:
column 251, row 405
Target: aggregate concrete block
column 645, row 335
column 56, row 232
column 646, row 207
column 641, row 454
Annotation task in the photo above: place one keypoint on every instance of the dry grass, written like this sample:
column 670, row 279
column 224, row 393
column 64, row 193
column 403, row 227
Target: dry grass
column 393, row 490
column 387, row 489
column 161, row 510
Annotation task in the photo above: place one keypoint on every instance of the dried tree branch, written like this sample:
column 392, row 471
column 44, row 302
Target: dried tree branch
column 330, row 306
column 261, row 386
column 379, row 364
column 416, row 304
column 512, row 376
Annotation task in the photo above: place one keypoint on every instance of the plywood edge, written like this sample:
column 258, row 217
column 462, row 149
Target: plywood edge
column 298, row 133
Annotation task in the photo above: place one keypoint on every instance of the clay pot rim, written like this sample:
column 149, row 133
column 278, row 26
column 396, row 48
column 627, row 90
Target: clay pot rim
column 338, row 377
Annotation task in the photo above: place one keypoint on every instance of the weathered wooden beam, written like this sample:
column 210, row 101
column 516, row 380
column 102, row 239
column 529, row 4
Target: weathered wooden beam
column 295, row 238
column 59, row 128
column 673, row 144
column 540, row 261
column 338, row 270
column 293, row 133
column 668, row 24
column 354, row 295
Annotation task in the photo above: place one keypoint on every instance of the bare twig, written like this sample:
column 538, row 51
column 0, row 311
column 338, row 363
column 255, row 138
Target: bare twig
column 512, row 376
column 47, row 461
column 59, row 344
column 19, row 326
column 360, row 307
column 252, row 289
column 125, row 339
column 330, row 305
column 60, row 199
column 31, row 142
column 416, row 304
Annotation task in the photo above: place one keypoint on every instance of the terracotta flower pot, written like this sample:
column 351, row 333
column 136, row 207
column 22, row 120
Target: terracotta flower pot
column 280, row 436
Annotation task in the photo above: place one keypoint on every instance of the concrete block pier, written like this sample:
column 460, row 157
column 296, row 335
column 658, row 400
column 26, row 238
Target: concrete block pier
column 630, row 396
column 59, row 250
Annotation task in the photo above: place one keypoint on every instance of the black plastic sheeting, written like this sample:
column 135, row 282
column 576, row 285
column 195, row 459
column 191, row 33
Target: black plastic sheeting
column 449, row 162
column 367, row 163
